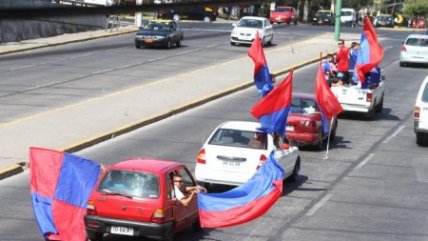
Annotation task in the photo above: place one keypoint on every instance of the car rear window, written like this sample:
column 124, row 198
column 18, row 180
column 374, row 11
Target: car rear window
column 239, row 138
column 346, row 13
column 425, row 93
column 303, row 106
column 282, row 10
column 127, row 183
column 422, row 42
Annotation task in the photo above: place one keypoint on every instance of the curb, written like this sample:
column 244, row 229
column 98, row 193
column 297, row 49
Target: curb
column 13, row 169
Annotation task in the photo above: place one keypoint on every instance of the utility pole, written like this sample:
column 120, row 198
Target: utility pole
column 138, row 15
column 338, row 23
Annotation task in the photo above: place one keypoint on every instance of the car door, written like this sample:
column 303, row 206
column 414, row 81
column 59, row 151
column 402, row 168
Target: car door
column 268, row 29
column 283, row 156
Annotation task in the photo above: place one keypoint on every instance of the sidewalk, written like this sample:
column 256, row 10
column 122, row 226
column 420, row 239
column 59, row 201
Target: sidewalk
column 81, row 128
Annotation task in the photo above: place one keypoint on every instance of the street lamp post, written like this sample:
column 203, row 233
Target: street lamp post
column 337, row 22
column 138, row 15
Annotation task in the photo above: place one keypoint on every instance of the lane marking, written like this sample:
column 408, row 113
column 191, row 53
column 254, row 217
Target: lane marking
column 319, row 205
column 367, row 159
column 396, row 132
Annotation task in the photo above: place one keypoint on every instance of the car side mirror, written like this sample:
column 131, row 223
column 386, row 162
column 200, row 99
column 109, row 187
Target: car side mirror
column 233, row 24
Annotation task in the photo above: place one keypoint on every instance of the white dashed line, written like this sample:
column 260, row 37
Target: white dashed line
column 367, row 159
column 318, row 205
column 393, row 134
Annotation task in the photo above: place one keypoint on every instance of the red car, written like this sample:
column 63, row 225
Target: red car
column 284, row 14
column 136, row 198
column 305, row 123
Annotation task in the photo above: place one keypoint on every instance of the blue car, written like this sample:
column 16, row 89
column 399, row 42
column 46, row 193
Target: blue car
column 163, row 33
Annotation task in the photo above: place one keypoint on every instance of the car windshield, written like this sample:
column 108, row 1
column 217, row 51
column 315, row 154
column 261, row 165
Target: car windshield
column 282, row 10
column 303, row 106
column 322, row 14
column 250, row 23
column 152, row 26
column 239, row 138
column 346, row 13
column 422, row 42
column 127, row 183
column 425, row 94
column 384, row 18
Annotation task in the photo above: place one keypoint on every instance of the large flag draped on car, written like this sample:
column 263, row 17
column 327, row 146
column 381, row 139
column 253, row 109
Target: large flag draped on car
column 370, row 53
column 60, row 185
column 244, row 203
column 272, row 111
column 262, row 78
column 328, row 103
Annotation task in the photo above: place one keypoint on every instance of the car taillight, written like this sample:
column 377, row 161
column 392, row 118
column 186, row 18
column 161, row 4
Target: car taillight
column 90, row 208
column 310, row 125
column 369, row 97
column 262, row 160
column 158, row 216
column 403, row 48
column 201, row 157
column 417, row 112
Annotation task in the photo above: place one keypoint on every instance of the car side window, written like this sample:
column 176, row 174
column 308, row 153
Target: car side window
column 425, row 93
column 187, row 179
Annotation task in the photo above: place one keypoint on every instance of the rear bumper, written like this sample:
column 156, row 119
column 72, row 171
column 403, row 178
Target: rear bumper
column 304, row 138
column 141, row 229
column 420, row 128
column 355, row 108
column 208, row 175
column 160, row 42
column 405, row 57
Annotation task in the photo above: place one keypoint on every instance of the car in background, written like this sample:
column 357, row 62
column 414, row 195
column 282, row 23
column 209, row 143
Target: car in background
column 164, row 33
column 205, row 13
column 414, row 50
column 323, row 17
column 136, row 197
column 305, row 124
column 419, row 22
column 384, row 20
column 348, row 17
column 244, row 32
column 421, row 114
column 284, row 14
column 236, row 149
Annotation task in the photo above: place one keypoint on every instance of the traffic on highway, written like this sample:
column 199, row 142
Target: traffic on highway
column 187, row 104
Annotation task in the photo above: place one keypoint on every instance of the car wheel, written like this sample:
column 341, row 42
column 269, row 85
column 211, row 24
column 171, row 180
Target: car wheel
column 420, row 139
column 295, row 22
column 379, row 106
column 178, row 43
column 137, row 46
column 296, row 170
column 232, row 43
column 196, row 226
column 207, row 19
column 169, row 44
column 95, row 236
column 270, row 43
column 320, row 145
column 371, row 114
column 288, row 23
column 402, row 64
column 333, row 131
column 170, row 235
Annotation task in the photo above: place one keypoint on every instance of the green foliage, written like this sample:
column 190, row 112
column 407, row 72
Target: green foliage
column 416, row 7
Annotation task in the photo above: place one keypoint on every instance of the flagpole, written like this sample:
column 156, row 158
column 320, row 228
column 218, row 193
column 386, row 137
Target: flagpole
column 328, row 138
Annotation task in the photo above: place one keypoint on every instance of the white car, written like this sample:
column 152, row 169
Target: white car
column 421, row 114
column 414, row 50
column 244, row 32
column 236, row 149
column 348, row 16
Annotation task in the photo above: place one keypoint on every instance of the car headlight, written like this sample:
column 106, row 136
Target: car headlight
column 234, row 32
column 159, row 37
column 139, row 37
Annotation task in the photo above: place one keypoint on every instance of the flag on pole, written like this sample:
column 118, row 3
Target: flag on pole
column 328, row 103
column 370, row 53
column 272, row 111
column 60, row 185
column 244, row 203
column 262, row 78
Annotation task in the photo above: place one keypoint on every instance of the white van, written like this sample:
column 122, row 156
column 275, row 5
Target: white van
column 421, row 114
column 100, row 2
column 348, row 16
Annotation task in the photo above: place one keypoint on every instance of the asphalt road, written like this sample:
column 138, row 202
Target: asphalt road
column 373, row 186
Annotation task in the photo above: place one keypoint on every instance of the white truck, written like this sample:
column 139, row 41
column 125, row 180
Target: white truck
column 355, row 99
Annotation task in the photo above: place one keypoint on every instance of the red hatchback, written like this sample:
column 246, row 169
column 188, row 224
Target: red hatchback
column 284, row 14
column 136, row 198
column 305, row 123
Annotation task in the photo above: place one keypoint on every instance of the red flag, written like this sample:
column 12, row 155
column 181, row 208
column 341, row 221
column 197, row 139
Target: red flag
column 328, row 103
column 256, row 53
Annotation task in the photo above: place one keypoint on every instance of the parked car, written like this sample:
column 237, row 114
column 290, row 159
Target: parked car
column 348, row 17
column 323, row 17
column 236, row 149
column 244, row 32
column 206, row 13
column 164, row 33
column 414, row 50
column 136, row 197
column 305, row 124
column 419, row 22
column 384, row 20
column 421, row 114
column 284, row 14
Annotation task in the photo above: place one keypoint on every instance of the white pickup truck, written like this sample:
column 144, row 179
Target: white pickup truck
column 355, row 99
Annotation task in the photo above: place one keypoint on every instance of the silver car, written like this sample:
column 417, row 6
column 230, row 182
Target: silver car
column 414, row 50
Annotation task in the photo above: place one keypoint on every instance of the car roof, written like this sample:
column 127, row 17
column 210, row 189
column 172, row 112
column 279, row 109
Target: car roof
column 161, row 21
column 417, row 36
column 252, row 17
column 240, row 125
column 144, row 165
column 304, row 95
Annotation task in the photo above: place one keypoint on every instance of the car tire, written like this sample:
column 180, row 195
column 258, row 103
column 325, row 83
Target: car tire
column 168, row 44
column 402, row 64
column 178, row 43
column 320, row 145
column 232, row 43
column 207, row 19
column 270, row 43
column 333, row 131
column 95, row 236
column 137, row 46
column 170, row 235
column 295, row 22
column 379, row 106
column 371, row 114
column 294, row 176
column 196, row 226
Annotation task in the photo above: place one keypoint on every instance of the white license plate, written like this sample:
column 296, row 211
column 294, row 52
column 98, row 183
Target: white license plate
column 289, row 128
column 231, row 163
column 122, row 230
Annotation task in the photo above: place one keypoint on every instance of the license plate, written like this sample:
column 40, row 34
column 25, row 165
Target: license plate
column 289, row 128
column 231, row 163
column 245, row 37
column 148, row 41
column 122, row 230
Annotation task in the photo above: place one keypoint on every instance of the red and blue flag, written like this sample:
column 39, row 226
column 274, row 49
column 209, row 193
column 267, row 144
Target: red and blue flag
column 262, row 78
column 244, row 203
column 370, row 53
column 61, row 184
column 328, row 103
column 272, row 111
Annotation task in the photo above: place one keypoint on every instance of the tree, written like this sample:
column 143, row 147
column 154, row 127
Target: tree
column 416, row 8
